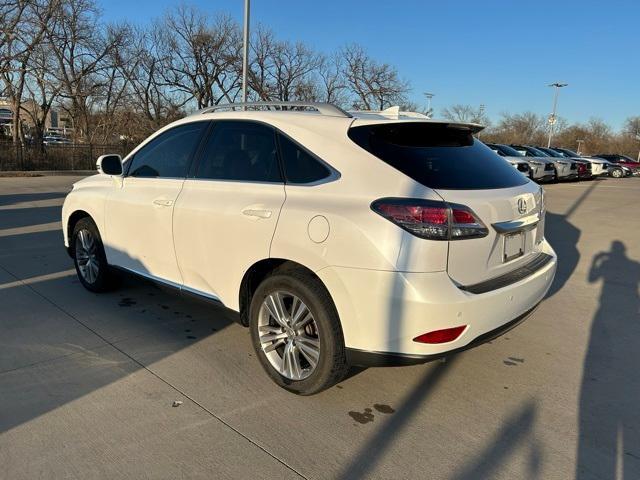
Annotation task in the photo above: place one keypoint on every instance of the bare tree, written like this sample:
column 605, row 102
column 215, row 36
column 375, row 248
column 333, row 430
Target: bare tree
column 198, row 56
column 282, row 70
column 81, row 49
column 372, row 85
column 466, row 114
column 332, row 86
column 24, row 23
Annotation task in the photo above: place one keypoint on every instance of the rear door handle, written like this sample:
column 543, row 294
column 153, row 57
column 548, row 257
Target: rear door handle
column 162, row 202
column 250, row 212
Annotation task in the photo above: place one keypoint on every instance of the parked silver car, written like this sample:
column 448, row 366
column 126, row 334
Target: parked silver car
column 540, row 169
column 599, row 167
column 565, row 169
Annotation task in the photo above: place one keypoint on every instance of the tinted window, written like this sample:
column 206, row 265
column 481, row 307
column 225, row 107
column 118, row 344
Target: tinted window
column 238, row 150
column 551, row 153
column 437, row 155
column 169, row 154
column 299, row 165
column 507, row 150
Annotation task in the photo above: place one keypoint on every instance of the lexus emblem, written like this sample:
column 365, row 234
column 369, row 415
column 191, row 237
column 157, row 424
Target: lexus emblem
column 522, row 206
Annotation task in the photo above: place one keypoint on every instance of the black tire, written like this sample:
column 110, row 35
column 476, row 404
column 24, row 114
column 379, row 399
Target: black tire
column 331, row 366
column 617, row 173
column 104, row 280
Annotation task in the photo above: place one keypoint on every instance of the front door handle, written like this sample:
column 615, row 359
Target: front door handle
column 162, row 202
column 250, row 212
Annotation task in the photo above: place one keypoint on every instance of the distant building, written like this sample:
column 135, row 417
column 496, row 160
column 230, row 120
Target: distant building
column 54, row 122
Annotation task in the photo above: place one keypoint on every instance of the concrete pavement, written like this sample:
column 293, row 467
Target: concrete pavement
column 87, row 381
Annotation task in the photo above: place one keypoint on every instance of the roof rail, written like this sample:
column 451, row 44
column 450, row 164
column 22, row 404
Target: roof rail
column 322, row 108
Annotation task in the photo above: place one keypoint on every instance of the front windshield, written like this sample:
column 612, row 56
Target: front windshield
column 570, row 153
column 551, row 153
column 538, row 153
column 508, row 151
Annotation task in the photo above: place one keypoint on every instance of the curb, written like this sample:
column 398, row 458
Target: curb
column 46, row 173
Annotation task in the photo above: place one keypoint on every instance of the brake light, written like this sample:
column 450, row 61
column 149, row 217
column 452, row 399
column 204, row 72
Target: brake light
column 430, row 219
column 440, row 336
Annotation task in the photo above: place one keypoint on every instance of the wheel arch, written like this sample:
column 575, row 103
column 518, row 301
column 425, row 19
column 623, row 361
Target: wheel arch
column 73, row 219
column 257, row 273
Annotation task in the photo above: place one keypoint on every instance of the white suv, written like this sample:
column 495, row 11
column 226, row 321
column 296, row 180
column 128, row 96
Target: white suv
column 341, row 238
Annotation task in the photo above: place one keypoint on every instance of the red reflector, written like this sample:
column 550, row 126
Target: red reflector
column 440, row 336
column 462, row 216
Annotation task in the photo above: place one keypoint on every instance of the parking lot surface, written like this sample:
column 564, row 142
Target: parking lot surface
column 87, row 381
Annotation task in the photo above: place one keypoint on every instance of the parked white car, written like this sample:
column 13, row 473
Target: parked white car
column 540, row 169
column 599, row 166
column 341, row 239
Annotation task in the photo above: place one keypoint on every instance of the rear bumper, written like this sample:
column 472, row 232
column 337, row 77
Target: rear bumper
column 571, row 176
column 547, row 177
column 382, row 312
column 362, row 358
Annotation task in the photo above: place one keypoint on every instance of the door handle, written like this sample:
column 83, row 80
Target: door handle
column 249, row 212
column 163, row 203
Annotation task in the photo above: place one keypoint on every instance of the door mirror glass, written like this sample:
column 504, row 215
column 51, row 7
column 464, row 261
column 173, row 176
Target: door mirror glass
column 109, row 164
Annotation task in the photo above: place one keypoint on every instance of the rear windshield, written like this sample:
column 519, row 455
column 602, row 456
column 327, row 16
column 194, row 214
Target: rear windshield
column 437, row 155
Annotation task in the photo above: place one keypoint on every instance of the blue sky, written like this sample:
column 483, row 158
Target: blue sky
column 499, row 53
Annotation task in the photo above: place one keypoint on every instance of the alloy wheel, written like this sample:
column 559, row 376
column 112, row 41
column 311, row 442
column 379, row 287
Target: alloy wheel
column 86, row 250
column 288, row 335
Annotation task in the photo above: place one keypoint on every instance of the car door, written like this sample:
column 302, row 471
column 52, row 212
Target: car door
column 139, row 212
column 227, row 212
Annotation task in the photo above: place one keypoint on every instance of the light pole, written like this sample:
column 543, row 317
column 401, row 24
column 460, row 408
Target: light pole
column 429, row 97
column 552, row 117
column 580, row 142
column 245, row 49
column 480, row 115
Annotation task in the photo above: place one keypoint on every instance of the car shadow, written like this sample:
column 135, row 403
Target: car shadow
column 609, row 415
column 564, row 237
column 59, row 342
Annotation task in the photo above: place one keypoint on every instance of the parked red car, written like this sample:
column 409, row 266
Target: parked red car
column 628, row 162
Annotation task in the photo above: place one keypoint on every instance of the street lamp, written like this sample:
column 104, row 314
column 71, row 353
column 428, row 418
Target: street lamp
column 245, row 50
column 552, row 117
column 429, row 97
column 580, row 142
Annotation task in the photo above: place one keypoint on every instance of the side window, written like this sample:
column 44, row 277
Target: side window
column 240, row 150
column 168, row 154
column 299, row 165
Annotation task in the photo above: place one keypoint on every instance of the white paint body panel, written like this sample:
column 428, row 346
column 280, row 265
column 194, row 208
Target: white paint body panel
column 138, row 232
column 388, row 286
column 215, row 241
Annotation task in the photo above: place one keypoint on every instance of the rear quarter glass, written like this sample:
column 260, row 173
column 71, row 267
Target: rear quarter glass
column 437, row 155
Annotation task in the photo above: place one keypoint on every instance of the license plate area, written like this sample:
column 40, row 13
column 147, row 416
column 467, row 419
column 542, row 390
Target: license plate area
column 513, row 246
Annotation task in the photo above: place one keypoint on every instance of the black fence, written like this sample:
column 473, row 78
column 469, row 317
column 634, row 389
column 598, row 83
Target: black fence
column 55, row 157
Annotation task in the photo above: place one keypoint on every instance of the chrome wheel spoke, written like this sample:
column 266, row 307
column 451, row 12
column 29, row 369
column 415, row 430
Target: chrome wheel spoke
column 273, row 346
column 86, row 257
column 310, row 353
column 287, row 333
column 300, row 315
column 276, row 308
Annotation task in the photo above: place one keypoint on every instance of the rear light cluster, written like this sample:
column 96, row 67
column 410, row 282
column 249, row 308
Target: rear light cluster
column 430, row 219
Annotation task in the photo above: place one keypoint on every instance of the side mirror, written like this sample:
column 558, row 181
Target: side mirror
column 109, row 164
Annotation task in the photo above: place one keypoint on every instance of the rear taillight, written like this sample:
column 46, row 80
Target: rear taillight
column 430, row 219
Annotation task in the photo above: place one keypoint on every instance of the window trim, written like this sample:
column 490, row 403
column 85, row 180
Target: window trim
column 198, row 157
column 192, row 156
column 333, row 173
